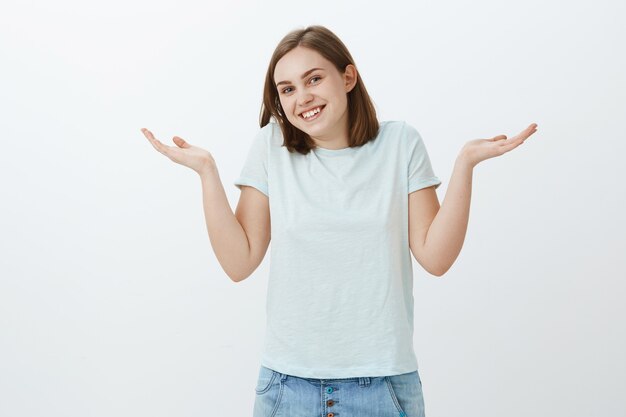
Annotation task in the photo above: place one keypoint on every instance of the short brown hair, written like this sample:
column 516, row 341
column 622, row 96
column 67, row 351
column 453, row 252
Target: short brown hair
column 362, row 122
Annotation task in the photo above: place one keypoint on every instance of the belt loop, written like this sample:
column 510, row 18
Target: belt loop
column 364, row 381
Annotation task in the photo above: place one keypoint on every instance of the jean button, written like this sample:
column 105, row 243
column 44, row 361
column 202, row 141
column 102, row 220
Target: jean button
column 329, row 390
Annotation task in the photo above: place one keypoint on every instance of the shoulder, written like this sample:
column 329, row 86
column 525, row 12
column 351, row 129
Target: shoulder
column 410, row 134
column 397, row 128
column 263, row 138
column 266, row 131
column 399, row 132
column 390, row 126
column 271, row 134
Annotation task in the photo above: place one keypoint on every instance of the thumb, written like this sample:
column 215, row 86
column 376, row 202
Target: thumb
column 181, row 142
column 499, row 137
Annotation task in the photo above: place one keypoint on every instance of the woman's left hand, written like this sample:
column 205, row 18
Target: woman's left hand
column 478, row 150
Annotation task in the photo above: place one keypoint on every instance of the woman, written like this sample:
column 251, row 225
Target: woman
column 345, row 199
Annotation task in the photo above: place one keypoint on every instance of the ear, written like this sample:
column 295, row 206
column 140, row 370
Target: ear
column 350, row 77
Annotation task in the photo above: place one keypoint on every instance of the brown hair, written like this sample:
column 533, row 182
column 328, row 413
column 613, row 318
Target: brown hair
column 362, row 122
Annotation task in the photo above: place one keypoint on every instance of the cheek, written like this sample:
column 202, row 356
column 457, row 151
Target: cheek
column 283, row 106
column 288, row 109
column 284, row 103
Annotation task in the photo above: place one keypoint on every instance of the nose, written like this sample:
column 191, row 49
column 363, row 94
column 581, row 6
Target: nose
column 304, row 98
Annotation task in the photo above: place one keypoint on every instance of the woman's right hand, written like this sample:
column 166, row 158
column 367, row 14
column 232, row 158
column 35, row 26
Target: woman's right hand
column 188, row 155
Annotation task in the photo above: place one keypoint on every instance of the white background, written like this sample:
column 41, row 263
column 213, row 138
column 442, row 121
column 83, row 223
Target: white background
column 112, row 302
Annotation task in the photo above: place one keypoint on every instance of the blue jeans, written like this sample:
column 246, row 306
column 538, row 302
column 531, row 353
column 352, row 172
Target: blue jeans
column 281, row 395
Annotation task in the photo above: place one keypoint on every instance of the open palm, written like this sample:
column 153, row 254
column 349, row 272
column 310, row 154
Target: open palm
column 185, row 154
column 478, row 150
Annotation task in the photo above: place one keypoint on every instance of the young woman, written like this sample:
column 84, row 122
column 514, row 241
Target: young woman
column 345, row 199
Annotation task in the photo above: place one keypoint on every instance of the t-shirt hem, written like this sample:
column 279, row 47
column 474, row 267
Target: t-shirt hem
column 423, row 183
column 354, row 372
column 252, row 183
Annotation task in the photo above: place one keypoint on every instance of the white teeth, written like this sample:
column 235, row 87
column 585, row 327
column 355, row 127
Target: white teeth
column 311, row 113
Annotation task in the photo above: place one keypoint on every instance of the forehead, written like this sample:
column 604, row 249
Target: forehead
column 295, row 62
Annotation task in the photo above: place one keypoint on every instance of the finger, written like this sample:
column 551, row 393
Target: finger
column 524, row 134
column 514, row 142
column 532, row 128
column 164, row 149
column 181, row 142
column 520, row 137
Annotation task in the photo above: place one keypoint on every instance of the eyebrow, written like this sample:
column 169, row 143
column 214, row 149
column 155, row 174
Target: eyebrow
column 303, row 75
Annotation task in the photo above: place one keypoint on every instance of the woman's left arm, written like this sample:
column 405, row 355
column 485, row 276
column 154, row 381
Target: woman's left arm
column 440, row 242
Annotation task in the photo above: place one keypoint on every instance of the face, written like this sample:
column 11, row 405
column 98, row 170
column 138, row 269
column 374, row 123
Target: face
column 300, row 89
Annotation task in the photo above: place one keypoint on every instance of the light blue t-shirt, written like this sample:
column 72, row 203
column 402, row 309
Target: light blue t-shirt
column 340, row 287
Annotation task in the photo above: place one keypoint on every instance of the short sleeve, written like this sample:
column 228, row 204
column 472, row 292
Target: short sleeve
column 420, row 171
column 254, row 171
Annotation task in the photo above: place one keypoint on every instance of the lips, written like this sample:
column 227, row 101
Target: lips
column 312, row 108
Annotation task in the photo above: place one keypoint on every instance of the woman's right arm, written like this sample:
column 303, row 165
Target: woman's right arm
column 239, row 240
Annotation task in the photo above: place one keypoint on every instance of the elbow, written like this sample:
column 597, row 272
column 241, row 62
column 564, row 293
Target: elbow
column 238, row 274
column 439, row 272
column 432, row 269
column 440, row 267
column 235, row 278
column 239, row 277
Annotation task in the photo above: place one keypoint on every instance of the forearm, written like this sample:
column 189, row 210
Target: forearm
column 446, row 234
column 228, row 238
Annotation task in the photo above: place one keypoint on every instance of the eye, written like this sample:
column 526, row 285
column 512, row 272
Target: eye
column 284, row 90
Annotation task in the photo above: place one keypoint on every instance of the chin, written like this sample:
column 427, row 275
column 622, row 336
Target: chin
column 310, row 130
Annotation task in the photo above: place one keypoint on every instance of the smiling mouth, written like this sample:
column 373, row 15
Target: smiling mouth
column 314, row 115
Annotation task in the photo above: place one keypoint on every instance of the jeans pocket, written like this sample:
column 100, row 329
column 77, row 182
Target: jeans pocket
column 394, row 396
column 265, row 380
column 406, row 390
column 269, row 391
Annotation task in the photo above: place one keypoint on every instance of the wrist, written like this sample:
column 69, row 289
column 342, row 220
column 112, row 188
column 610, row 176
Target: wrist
column 208, row 170
column 464, row 161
